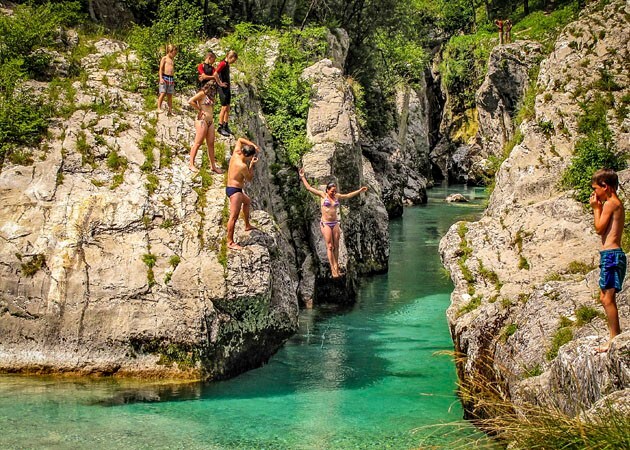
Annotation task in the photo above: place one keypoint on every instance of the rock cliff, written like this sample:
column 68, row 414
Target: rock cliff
column 336, row 156
column 113, row 255
column 401, row 158
column 525, row 274
column 114, row 258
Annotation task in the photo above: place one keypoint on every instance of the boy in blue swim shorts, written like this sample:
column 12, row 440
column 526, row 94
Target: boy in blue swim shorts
column 609, row 218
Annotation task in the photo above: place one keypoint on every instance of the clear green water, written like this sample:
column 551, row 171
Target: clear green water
column 364, row 378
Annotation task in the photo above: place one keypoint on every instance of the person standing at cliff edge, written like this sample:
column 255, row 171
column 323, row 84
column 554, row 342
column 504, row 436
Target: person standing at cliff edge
column 240, row 171
column 609, row 218
column 166, row 76
column 222, row 74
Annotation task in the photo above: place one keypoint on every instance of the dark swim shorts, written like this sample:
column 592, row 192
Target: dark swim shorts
column 225, row 95
column 612, row 265
column 230, row 191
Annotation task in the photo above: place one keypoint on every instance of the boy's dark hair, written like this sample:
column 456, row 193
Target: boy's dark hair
column 606, row 176
column 248, row 150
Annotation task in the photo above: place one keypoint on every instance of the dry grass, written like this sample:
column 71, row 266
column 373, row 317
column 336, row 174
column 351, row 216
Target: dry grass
column 532, row 426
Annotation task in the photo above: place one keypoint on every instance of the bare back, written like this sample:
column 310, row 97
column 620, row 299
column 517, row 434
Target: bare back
column 611, row 238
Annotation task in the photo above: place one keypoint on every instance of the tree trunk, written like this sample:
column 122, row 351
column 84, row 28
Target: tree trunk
column 526, row 6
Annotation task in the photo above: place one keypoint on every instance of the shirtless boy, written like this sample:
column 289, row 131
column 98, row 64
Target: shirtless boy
column 240, row 171
column 609, row 220
column 166, row 75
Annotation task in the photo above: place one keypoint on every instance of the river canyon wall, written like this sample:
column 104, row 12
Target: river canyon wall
column 525, row 310
column 114, row 259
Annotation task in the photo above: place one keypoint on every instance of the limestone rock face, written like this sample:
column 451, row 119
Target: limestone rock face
column 113, row 255
column 499, row 96
column 336, row 156
column 525, row 274
column 401, row 158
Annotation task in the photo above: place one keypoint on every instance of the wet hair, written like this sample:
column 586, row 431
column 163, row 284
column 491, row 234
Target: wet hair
column 248, row 150
column 606, row 176
column 210, row 54
column 330, row 185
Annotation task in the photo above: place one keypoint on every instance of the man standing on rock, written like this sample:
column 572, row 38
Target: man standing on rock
column 609, row 220
column 240, row 171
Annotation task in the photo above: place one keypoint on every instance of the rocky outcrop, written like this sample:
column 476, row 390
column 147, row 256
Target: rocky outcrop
column 526, row 274
column 336, row 156
column 501, row 93
column 401, row 158
column 113, row 258
column 471, row 140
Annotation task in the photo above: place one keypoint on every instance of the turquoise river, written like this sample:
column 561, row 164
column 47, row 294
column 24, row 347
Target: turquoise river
column 368, row 377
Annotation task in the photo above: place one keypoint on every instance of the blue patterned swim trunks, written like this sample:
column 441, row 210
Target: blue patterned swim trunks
column 612, row 269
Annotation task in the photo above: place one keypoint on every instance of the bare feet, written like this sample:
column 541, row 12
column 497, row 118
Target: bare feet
column 250, row 228
column 193, row 169
column 217, row 170
column 603, row 348
column 234, row 246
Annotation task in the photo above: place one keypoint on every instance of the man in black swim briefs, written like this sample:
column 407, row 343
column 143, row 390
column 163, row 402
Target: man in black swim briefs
column 241, row 170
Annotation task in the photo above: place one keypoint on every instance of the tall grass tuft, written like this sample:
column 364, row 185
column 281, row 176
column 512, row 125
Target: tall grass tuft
column 536, row 426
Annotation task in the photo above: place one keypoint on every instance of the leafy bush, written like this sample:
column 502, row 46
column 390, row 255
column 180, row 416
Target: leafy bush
column 285, row 96
column 593, row 152
column 178, row 22
column 464, row 67
column 561, row 337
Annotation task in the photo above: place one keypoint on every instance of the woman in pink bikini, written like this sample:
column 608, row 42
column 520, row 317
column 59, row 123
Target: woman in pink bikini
column 329, row 223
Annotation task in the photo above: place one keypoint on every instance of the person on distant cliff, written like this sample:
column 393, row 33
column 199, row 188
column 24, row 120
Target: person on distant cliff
column 329, row 223
column 499, row 24
column 609, row 218
column 222, row 75
column 507, row 27
column 166, row 76
column 206, row 68
column 203, row 102
column 240, row 171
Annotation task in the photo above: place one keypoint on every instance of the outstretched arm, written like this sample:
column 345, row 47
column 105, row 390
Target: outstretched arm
column 310, row 188
column 353, row 193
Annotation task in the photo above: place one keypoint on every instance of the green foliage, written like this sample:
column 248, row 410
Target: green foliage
column 523, row 263
column 33, row 27
column 178, row 22
column 153, row 182
column 593, row 152
column 149, row 259
column 508, row 331
column 585, row 314
column 544, row 26
column 473, row 304
column 546, row 126
column 285, row 97
column 578, row 267
column 533, row 371
column 464, row 67
column 34, row 265
column 563, row 335
column 174, row 261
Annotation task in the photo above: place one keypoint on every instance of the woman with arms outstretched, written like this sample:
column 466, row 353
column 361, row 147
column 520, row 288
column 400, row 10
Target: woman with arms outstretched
column 329, row 223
